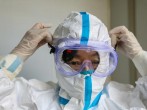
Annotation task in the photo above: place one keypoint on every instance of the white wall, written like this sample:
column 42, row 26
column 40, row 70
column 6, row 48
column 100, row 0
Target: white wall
column 17, row 16
column 119, row 17
column 141, row 22
column 135, row 21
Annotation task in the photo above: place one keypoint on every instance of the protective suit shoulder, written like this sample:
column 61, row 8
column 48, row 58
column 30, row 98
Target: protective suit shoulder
column 141, row 88
column 42, row 85
column 30, row 95
column 117, row 90
column 45, row 95
column 120, row 86
column 125, row 95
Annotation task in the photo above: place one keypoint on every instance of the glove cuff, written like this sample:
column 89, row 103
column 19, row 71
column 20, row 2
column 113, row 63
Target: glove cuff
column 140, row 61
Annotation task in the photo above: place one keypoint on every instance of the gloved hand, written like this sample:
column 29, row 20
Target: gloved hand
column 37, row 36
column 125, row 41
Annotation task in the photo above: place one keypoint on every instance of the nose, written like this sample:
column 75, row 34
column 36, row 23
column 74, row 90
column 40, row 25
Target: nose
column 87, row 65
column 86, row 68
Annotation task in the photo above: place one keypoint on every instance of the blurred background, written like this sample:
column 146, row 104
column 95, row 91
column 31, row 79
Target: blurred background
column 18, row 16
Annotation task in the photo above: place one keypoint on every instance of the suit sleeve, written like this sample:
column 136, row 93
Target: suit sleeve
column 10, row 66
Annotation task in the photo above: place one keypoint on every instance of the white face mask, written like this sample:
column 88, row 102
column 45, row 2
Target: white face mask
column 75, row 85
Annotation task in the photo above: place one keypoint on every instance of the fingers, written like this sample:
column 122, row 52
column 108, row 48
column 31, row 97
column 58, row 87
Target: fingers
column 41, row 26
column 119, row 30
column 39, row 34
column 47, row 39
column 118, row 34
column 45, row 34
column 115, row 39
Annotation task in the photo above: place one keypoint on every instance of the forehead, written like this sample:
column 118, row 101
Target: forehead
column 84, row 53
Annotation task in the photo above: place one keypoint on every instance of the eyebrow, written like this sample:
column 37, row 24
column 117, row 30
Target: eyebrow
column 93, row 54
column 77, row 56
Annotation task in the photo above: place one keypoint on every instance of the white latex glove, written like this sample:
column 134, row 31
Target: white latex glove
column 37, row 36
column 125, row 41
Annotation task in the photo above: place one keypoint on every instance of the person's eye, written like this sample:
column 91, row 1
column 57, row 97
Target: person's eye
column 95, row 62
column 74, row 63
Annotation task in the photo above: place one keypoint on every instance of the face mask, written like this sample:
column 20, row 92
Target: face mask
column 82, row 87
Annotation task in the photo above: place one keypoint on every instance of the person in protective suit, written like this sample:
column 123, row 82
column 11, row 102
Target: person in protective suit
column 85, row 57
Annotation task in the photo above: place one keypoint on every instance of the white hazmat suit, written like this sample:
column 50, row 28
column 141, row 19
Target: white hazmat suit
column 70, row 92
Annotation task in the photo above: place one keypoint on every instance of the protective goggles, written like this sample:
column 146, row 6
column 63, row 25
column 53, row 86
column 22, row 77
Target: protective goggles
column 99, row 57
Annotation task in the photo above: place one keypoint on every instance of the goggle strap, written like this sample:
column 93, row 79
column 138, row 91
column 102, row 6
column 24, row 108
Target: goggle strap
column 52, row 48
